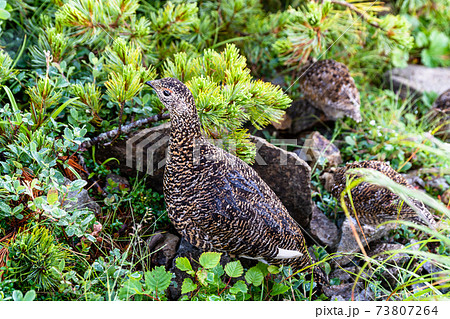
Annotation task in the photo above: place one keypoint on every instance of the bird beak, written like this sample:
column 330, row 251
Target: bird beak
column 150, row 84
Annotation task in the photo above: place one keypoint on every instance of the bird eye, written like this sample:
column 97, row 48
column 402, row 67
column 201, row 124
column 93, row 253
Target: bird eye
column 166, row 93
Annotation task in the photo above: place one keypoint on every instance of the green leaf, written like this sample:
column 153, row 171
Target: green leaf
column 202, row 275
column 278, row 289
column 327, row 267
column 58, row 110
column 238, row 287
column 184, row 264
column 209, row 259
column 78, row 184
column 52, row 196
column 350, row 141
column 273, row 269
column 5, row 208
column 218, row 271
column 234, row 269
column 17, row 295
column 158, row 279
column 131, row 287
column 188, row 286
column 29, row 296
column 254, row 276
column 4, row 15
column 335, row 281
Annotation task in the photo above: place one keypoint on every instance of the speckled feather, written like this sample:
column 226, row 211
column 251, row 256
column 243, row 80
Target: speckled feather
column 215, row 200
column 327, row 84
column 375, row 204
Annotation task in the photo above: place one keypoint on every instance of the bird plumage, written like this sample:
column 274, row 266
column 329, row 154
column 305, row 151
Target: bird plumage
column 217, row 201
column 328, row 86
column 375, row 204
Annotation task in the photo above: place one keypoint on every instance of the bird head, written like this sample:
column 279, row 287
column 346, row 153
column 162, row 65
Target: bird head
column 175, row 96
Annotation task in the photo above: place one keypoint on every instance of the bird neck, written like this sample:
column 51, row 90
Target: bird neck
column 184, row 130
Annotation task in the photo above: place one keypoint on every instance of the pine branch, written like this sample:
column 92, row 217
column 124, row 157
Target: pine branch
column 362, row 14
column 124, row 129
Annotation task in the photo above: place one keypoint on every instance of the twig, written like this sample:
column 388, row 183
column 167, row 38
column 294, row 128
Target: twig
column 362, row 14
column 124, row 129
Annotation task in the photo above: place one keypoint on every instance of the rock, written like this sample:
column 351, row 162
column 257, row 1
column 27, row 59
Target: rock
column 193, row 254
column 414, row 180
column 190, row 252
column 327, row 179
column 344, row 292
column 142, row 152
column 320, row 151
column 120, row 183
column 438, row 183
column 322, row 229
column 82, row 200
column 445, row 198
column 345, row 275
column 348, row 243
column 432, row 269
column 416, row 79
column 380, row 252
column 288, row 176
column 163, row 248
column 284, row 124
column 304, row 116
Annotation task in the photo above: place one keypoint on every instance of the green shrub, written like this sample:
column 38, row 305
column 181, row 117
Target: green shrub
column 37, row 260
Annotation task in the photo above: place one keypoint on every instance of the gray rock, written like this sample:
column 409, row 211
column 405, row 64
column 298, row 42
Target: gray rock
column 320, row 151
column 343, row 292
column 283, row 171
column 414, row 180
column 82, row 200
column 438, row 183
column 322, row 229
column 192, row 253
column 162, row 248
column 348, row 243
column 417, row 79
column 119, row 182
column 288, row 176
column 304, row 115
column 445, row 198
column 142, row 152
column 380, row 252
column 432, row 268
column 345, row 275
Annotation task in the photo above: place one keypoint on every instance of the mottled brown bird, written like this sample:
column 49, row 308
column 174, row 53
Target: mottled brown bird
column 375, row 204
column 215, row 200
column 441, row 112
column 328, row 86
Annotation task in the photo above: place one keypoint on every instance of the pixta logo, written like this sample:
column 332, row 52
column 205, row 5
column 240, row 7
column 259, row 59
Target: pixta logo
column 147, row 150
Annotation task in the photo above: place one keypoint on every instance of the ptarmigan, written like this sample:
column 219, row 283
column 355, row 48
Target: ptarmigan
column 375, row 204
column 328, row 86
column 218, row 202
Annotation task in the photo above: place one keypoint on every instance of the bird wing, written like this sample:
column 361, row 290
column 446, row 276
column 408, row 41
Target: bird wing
column 249, row 219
